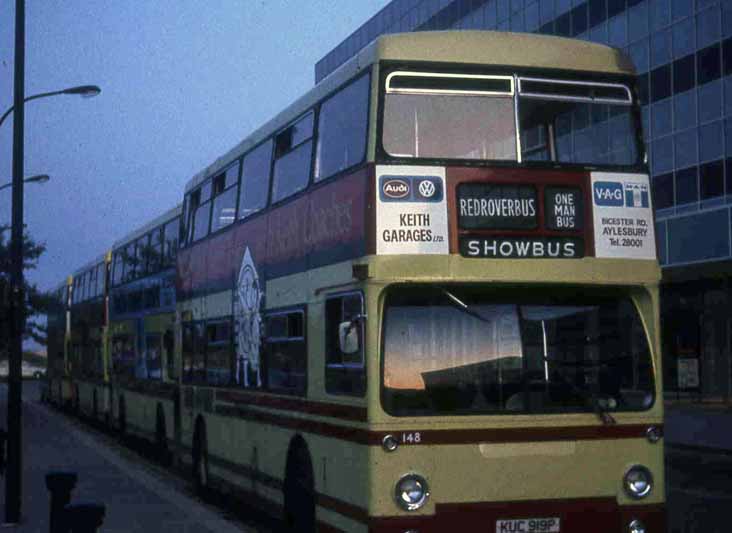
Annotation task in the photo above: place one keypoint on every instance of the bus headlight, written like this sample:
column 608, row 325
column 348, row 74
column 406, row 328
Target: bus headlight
column 636, row 526
column 638, row 482
column 411, row 492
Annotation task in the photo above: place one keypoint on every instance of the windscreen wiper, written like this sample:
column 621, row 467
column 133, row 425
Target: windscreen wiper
column 602, row 413
column 457, row 302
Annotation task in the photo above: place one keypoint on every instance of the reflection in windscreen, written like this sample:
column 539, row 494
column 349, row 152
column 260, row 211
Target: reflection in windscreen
column 578, row 132
column 496, row 356
column 449, row 126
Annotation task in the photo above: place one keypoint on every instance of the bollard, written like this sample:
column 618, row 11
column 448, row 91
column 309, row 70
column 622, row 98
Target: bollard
column 60, row 485
column 3, row 440
column 84, row 517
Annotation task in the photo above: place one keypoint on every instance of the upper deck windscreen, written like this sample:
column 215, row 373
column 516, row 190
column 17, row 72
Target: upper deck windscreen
column 508, row 118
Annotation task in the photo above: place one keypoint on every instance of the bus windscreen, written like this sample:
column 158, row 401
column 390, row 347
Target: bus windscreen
column 441, row 116
column 454, row 351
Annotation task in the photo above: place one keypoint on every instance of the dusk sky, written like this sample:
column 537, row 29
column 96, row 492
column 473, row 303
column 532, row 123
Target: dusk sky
column 182, row 82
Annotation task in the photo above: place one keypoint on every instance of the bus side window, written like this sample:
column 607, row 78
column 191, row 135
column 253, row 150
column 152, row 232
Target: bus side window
column 219, row 352
column 342, row 126
column 225, row 192
column 188, row 349
column 194, row 352
column 169, row 347
column 293, row 154
column 285, row 350
column 345, row 372
column 255, row 179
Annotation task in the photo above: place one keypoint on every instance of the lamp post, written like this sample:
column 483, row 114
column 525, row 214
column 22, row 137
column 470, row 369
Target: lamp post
column 13, row 477
column 38, row 178
column 85, row 91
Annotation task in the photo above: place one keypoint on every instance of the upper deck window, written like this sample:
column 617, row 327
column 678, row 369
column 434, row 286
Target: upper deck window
column 118, row 267
column 255, row 179
column 577, row 122
column 293, row 154
column 201, row 212
column 101, row 275
column 449, row 116
column 342, row 125
column 224, row 203
column 170, row 242
column 473, row 117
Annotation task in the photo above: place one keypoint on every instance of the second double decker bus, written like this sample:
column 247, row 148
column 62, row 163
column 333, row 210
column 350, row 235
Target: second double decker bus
column 425, row 297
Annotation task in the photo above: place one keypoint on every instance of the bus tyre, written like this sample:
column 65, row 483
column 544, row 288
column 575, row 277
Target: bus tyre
column 299, row 489
column 76, row 401
column 95, row 405
column 122, row 417
column 200, row 460
column 161, row 437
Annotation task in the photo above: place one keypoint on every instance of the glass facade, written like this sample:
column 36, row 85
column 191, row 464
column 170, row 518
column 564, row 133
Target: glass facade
column 682, row 50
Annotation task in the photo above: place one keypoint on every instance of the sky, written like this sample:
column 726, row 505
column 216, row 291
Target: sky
column 182, row 82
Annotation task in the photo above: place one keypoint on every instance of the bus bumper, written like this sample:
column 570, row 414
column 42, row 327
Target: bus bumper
column 598, row 516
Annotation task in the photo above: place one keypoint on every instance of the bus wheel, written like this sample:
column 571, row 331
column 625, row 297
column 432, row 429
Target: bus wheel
column 200, row 460
column 161, row 437
column 122, row 417
column 95, row 405
column 299, row 489
column 77, row 402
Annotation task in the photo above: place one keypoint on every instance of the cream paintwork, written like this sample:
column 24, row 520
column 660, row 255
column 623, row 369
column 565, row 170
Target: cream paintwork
column 545, row 470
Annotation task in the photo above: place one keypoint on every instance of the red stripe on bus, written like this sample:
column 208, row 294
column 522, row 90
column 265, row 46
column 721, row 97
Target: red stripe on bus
column 331, row 410
column 443, row 436
column 506, row 435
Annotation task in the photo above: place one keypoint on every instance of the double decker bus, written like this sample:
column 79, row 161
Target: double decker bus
column 425, row 297
column 87, row 358
column 143, row 380
column 57, row 342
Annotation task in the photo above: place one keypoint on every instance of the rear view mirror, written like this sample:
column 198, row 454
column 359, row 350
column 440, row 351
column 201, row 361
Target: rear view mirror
column 348, row 337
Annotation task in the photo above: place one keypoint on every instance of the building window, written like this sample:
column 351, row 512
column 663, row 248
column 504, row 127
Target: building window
column 661, row 83
column 663, row 191
column 345, row 372
column 709, row 64
column 711, row 179
column 286, row 352
column 686, row 186
column 342, row 126
column 293, row 154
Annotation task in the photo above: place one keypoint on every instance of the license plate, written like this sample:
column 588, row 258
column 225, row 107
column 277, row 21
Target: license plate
column 528, row 525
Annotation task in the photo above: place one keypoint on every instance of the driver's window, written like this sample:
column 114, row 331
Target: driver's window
column 345, row 372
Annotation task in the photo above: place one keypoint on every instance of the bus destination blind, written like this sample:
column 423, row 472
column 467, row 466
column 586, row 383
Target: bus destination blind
column 515, row 207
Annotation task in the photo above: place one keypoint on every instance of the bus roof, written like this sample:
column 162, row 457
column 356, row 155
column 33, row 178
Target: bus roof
column 489, row 48
column 162, row 219
column 89, row 264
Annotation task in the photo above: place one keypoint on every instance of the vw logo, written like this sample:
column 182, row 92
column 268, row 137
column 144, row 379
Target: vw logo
column 426, row 188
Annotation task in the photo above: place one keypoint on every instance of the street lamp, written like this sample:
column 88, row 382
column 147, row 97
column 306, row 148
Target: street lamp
column 85, row 91
column 38, row 178
column 14, row 472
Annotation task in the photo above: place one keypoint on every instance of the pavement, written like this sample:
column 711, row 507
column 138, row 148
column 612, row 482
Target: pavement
column 137, row 497
column 141, row 498
column 703, row 426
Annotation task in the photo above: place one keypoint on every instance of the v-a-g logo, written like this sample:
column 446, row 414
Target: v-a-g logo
column 608, row 193
column 614, row 194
